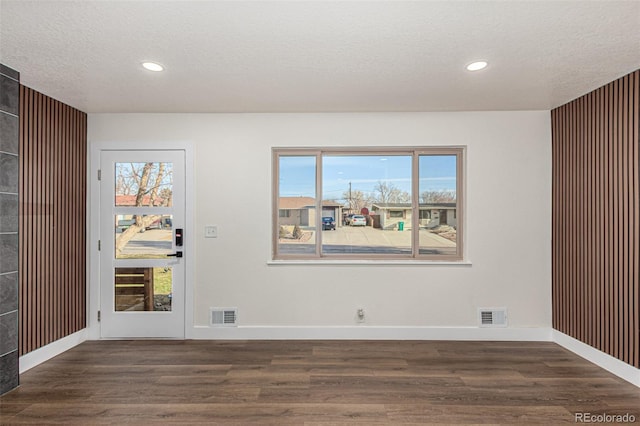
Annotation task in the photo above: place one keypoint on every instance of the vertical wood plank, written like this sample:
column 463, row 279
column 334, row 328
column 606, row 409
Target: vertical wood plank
column 40, row 258
column 636, row 217
column 627, row 223
column 589, row 223
column 603, row 213
column 611, row 224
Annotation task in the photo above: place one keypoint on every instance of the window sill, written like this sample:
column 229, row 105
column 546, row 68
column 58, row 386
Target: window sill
column 362, row 262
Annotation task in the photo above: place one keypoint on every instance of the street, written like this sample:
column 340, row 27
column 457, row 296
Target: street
column 367, row 240
column 151, row 243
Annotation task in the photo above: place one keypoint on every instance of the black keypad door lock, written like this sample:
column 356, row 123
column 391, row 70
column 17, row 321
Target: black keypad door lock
column 179, row 237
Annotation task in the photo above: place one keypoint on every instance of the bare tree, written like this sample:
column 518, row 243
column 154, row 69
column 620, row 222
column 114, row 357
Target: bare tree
column 167, row 197
column 357, row 200
column 439, row 196
column 385, row 192
column 126, row 179
column 142, row 184
column 154, row 190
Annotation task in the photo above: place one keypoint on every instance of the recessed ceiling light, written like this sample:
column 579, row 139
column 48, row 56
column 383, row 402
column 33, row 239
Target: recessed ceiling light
column 152, row 66
column 476, row 66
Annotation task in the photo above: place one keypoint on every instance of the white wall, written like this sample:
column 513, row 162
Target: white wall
column 508, row 218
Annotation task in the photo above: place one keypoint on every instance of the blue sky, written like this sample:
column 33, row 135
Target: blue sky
column 297, row 174
column 364, row 173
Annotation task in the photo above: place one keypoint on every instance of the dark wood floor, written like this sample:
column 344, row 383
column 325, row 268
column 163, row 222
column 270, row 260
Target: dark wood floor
column 316, row 382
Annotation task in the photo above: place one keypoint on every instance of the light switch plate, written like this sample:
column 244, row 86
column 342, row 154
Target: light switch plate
column 211, row 231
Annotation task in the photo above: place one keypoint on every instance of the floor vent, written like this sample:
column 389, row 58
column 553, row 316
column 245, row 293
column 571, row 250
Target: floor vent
column 492, row 317
column 224, row 317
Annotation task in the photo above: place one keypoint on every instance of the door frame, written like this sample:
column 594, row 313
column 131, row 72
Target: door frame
column 93, row 226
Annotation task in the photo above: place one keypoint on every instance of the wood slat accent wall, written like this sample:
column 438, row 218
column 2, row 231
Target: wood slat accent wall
column 595, row 219
column 53, row 175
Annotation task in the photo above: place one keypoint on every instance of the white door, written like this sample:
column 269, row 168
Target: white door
column 142, row 218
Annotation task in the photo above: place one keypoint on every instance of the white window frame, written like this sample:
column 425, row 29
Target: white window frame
column 414, row 153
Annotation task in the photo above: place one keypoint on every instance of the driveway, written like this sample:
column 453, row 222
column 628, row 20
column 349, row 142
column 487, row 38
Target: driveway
column 152, row 243
column 365, row 239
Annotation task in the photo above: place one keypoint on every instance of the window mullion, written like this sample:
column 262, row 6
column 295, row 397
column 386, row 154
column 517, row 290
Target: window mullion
column 415, row 205
column 318, row 219
column 275, row 205
column 460, row 212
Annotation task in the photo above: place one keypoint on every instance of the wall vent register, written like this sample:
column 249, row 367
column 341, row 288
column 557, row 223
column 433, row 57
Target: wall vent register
column 492, row 317
column 224, row 317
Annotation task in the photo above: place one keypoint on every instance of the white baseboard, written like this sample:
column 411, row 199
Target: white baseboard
column 370, row 333
column 601, row 359
column 30, row 360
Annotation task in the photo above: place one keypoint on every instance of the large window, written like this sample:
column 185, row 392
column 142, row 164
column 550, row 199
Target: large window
column 395, row 203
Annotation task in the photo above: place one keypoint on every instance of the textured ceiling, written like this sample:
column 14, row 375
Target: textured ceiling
column 317, row 56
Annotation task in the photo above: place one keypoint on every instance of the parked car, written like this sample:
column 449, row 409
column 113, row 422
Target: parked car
column 124, row 224
column 156, row 224
column 358, row 220
column 167, row 222
column 328, row 224
column 347, row 219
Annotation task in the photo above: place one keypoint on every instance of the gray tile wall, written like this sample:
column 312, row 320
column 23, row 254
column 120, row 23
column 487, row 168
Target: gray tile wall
column 9, row 172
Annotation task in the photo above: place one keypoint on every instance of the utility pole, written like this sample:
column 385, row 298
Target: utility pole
column 350, row 199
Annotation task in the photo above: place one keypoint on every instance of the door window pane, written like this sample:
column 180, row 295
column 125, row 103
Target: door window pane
column 143, row 184
column 297, row 205
column 369, row 196
column 143, row 236
column 438, row 205
column 143, row 289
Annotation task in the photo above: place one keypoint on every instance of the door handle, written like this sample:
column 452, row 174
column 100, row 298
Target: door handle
column 176, row 254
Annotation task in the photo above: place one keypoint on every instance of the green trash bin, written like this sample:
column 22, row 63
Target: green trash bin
column 400, row 226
